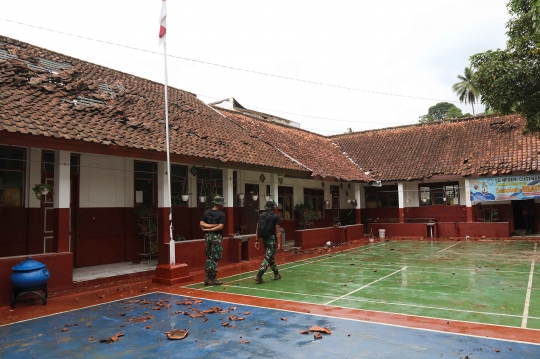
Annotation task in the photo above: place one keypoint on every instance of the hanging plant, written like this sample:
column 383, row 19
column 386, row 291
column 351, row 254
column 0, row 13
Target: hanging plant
column 202, row 196
column 254, row 195
column 41, row 189
column 185, row 192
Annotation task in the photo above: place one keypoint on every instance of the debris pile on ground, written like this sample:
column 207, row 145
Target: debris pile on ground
column 317, row 330
column 177, row 334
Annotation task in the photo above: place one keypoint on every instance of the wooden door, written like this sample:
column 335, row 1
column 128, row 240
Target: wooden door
column 47, row 202
column 334, row 192
column 74, row 206
column 251, row 208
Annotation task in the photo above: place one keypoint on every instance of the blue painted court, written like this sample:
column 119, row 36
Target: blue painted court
column 263, row 333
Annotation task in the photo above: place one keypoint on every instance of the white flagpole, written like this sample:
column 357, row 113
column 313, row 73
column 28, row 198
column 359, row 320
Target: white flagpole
column 172, row 253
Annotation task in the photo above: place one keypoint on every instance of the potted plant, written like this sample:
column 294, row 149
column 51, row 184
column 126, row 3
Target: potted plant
column 143, row 228
column 177, row 199
column 152, row 227
column 254, row 195
column 153, row 248
column 141, row 212
column 306, row 214
column 41, row 189
column 185, row 193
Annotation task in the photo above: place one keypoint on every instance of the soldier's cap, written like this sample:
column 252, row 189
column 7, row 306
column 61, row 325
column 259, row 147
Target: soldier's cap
column 218, row 200
column 270, row 205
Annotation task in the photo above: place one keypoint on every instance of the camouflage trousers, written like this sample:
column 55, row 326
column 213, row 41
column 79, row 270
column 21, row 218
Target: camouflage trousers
column 213, row 252
column 269, row 253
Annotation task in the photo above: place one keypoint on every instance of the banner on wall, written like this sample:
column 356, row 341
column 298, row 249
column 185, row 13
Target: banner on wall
column 505, row 188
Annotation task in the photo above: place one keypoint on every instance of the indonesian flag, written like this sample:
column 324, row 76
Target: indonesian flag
column 162, row 23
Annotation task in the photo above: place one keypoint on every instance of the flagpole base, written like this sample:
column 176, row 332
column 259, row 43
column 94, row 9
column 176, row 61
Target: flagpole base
column 172, row 274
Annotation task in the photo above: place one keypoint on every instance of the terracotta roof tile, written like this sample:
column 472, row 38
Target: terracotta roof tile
column 313, row 151
column 41, row 102
column 473, row 146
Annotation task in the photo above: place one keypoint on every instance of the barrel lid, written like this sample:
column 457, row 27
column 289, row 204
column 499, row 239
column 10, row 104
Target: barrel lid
column 28, row 264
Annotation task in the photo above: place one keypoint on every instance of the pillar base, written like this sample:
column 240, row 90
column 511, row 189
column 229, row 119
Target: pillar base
column 171, row 274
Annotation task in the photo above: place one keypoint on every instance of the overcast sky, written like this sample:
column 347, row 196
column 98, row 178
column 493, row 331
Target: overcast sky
column 409, row 48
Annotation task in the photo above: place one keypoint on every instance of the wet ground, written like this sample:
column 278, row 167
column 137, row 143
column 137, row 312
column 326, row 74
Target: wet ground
column 409, row 299
column 137, row 327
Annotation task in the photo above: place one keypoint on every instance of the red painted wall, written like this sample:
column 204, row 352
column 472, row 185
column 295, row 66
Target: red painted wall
column 13, row 233
column 440, row 213
column 58, row 264
column 353, row 232
column 61, row 230
column 398, row 229
column 475, row 229
column 289, row 226
column 107, row 235
column 193, row 253
column 310, row 238
column 443, row 229
column 35, row 230
column 374, row 213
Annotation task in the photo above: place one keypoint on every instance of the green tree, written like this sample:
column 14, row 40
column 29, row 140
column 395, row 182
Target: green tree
column 453, row 112
column 509, row 79
column 441, row 111
column 425, row 118
column 465, row 88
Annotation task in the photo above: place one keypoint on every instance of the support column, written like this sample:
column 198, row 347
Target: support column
column 358, row 197
column 228, row 196
column 401, row 198
column 62, row 192
column 166, row 274
column 274, row 186
column 468, row 202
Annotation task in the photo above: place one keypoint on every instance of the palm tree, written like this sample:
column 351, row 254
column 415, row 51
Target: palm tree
column 465, row 88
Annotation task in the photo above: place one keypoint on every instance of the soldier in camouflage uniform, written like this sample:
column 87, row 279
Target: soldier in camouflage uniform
column 270, row 242
column 212, row 223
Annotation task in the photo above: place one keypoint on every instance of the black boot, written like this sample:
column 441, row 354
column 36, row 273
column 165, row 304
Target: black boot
column 258, row 277
column 277, row 276
column 206, row 279
column 215, row 282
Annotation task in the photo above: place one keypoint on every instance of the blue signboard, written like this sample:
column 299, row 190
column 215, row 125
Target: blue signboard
column 505, row 188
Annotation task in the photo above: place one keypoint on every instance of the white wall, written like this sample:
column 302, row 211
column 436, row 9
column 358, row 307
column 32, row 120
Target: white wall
column 33, row 176
column 106, row 181
column 410, row 195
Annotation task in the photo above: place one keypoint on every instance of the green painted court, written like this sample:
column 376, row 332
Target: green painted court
column 490, row 282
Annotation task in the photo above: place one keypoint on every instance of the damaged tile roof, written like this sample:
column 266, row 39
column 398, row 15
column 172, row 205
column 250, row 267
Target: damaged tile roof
column 491, row 145
column 43, row 93
column 315, row 152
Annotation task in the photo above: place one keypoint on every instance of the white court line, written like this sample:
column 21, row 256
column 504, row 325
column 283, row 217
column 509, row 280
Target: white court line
column 442, row 250
column 280, row 291
column 528, row 296
column 482, row 270
column 324, row 257
column 368, row 321
column 367, row 285
column 375, row 302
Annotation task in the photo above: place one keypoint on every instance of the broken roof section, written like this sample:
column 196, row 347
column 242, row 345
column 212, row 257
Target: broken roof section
column 231, row 104
column 314, row 152
column 81, row 101
column 489, row 145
